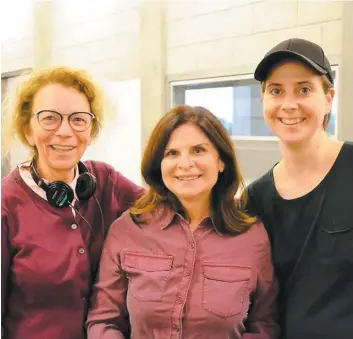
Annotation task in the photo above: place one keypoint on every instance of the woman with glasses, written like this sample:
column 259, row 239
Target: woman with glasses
column 55, row 210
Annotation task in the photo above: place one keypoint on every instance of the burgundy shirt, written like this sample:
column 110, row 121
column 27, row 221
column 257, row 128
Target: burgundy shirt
column 161, row 280
column 49, row 257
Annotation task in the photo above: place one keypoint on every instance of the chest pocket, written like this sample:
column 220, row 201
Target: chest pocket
column 226, row 289
column 148, row 274
column 336, row 243
column 335, row 234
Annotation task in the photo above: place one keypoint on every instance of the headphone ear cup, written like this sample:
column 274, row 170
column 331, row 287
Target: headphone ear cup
column 86, row 186
column 59, row 194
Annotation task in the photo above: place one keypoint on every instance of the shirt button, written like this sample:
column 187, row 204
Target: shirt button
column 73, row 226
column 187, row 272
column 176, row 328
column 179, row 301
column 192, row 245
column 81, row 250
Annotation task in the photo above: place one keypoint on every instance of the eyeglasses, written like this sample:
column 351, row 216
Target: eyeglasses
column 52, row 120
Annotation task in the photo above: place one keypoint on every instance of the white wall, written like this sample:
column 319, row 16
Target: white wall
column 101, row 36
column 120, row 141
column 18, row 152
column 209, row 34
column 201, row 36
column 16, row 35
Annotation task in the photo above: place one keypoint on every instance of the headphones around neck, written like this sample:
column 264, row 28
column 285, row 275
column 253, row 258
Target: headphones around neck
column 60, row 194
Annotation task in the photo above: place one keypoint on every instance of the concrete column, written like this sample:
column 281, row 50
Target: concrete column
column 43, row 33
column 345, row 90
column 152, row 64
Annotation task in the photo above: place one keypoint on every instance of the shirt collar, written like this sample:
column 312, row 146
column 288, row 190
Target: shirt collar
column 166, row 215
column 27, row 178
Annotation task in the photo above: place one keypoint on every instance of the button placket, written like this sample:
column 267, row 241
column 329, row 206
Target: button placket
column 179, row 299
column 186, row 273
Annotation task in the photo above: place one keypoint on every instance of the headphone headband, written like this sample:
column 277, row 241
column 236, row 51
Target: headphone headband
column 37, row 179
column 81, row 167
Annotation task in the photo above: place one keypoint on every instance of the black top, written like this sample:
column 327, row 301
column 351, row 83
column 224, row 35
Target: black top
column 293, row 226
column 312, row 244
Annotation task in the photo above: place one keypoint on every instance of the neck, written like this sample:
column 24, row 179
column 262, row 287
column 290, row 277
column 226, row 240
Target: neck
column 197, row 209
column 306, row 157
column 50, row 175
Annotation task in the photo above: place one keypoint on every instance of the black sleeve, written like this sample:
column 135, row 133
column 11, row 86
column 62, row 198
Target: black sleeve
column 260, row 203
column 252, row 207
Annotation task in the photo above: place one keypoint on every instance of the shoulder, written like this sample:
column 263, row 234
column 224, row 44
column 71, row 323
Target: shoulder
column 123, row 230
column 258, row 232
column 259, row 241
column 98, row 168
column 347, row 150
column 110, row 177
column 120, row 225
column 158, row 218
column 11, row 187
column 253, row 244
column 15, row 201
column 9, row 180
column 259, row 192
column 349, row 144
column 341, row 171
column 264, row 182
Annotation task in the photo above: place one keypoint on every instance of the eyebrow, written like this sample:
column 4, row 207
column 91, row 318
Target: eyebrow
column 305, row 82
column 297, row 83
column 197, row 145
column 274, row 84
column 66, row 114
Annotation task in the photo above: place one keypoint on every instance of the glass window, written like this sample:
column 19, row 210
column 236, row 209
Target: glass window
column 235, row 101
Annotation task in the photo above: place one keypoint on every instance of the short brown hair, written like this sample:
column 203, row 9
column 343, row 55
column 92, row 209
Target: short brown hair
column 18, row 105
column 227, row 215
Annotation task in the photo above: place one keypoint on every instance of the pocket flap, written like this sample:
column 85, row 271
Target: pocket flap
column 342, row 228
column 230, row 273
column 147, row 262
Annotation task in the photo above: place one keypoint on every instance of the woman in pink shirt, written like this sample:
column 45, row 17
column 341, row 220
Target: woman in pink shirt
column 55, row 209
column 185, row 261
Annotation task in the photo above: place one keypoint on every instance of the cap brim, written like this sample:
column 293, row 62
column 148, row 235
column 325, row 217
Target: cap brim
column 267, row 63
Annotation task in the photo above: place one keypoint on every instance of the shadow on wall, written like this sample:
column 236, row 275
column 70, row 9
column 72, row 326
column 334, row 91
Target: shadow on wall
column 18, row 153
column 119, row 144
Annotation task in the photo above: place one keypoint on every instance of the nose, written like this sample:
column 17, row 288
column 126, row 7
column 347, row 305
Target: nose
column 289, row 103
column 185, row 162
column 64, row 128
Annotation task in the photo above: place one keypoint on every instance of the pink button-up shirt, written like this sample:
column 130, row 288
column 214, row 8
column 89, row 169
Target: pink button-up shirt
column 161, row 280
column 50, row 256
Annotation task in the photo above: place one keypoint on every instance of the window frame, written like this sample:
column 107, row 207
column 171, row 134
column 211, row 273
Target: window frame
column 6, row 79
column 248, row 76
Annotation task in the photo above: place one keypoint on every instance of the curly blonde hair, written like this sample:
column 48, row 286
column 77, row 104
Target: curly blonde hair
column 17, row 106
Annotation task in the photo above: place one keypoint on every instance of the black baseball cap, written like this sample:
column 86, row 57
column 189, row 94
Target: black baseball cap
column 305, row 51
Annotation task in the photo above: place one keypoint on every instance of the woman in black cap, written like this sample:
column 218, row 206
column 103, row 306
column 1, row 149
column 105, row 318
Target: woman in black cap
column 306, row 200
